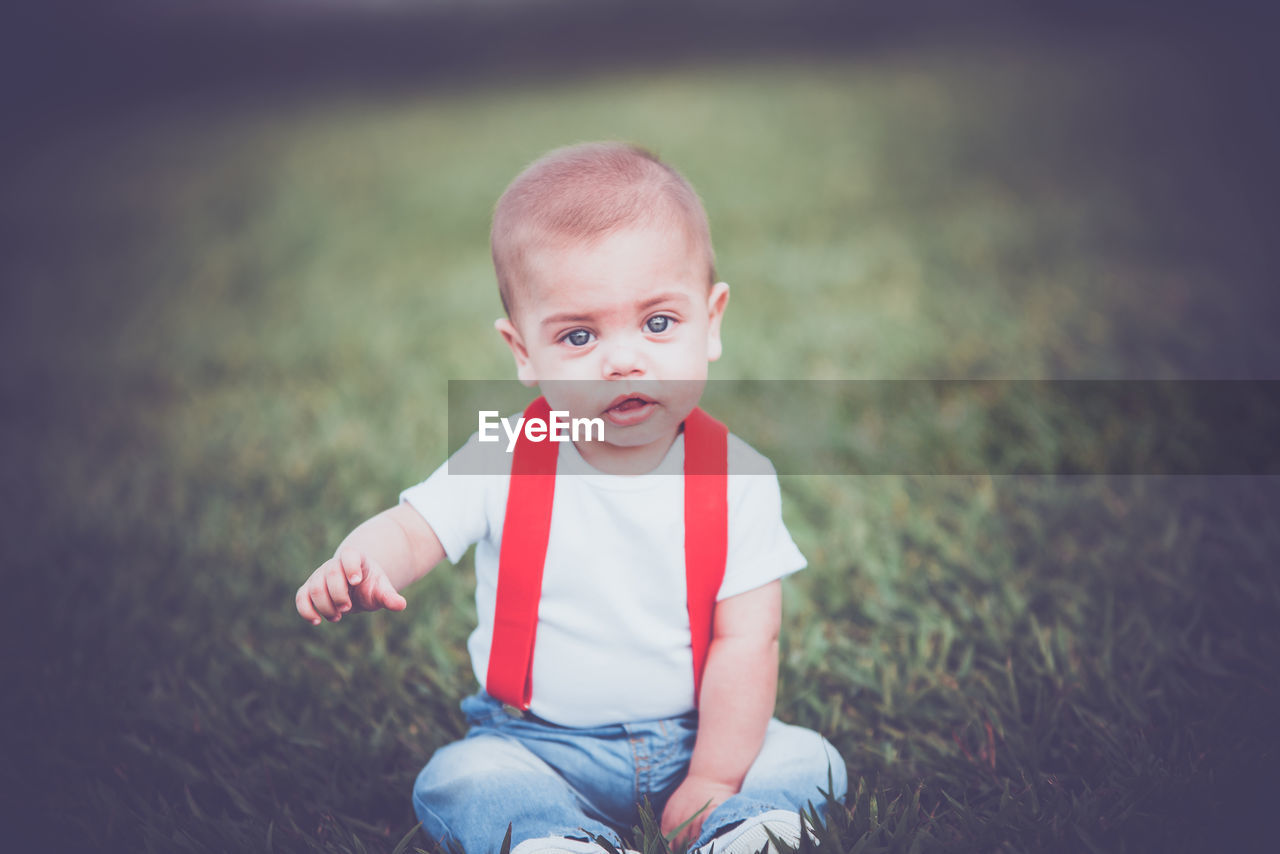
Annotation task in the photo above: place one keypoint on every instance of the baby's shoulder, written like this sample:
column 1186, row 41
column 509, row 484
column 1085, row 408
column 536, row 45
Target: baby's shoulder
column 746, row 460
column 480, row 455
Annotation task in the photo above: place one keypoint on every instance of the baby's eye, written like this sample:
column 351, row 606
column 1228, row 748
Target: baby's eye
column 658, row 323
column 578, row 338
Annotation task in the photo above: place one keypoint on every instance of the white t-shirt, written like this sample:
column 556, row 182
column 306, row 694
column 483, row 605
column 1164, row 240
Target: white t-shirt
column 613, row 639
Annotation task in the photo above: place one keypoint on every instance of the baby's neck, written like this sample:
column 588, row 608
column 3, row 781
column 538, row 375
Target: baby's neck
column 611, row 459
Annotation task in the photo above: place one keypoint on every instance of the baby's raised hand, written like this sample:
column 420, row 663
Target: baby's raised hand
column 349, row 581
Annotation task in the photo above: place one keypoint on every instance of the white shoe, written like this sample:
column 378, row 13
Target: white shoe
column 753, row 835
column 559, row 845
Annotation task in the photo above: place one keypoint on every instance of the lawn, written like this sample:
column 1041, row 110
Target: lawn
column 228, row 334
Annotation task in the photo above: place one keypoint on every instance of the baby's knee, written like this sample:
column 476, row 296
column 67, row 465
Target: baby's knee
column 472, row 790
column 803, row 758
column 823, row 761
column 475, row 769
column 837, row 773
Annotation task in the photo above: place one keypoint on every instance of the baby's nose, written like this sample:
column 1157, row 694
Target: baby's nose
column 623, row 359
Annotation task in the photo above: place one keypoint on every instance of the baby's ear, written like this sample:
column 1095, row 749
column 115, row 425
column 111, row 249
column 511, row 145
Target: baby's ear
column 716, row 302
column 509, row 333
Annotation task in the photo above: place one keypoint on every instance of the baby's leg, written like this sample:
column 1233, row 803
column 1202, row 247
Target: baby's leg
column 472, row 788
column 789, row 774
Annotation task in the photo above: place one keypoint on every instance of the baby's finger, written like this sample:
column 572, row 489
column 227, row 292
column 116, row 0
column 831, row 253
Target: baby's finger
column 336, row 584
column 369, row 594
column 388, row 597
column 352, row 566
column 306, row 610
column 318, row 594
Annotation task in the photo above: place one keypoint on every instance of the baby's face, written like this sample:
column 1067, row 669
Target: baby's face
column 620, row 329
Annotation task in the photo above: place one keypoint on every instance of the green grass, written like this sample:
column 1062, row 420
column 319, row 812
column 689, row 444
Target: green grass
column 227, row 340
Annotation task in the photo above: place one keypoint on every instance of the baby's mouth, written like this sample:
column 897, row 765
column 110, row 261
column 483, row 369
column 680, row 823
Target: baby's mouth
column 629, row 409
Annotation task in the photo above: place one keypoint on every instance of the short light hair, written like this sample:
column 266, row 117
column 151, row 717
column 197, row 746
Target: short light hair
column 585, row 192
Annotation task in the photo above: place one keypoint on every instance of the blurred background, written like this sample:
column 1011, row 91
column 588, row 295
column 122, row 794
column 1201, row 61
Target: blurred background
column 244, row 248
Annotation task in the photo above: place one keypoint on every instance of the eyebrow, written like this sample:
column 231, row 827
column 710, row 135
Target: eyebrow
column 566, row 317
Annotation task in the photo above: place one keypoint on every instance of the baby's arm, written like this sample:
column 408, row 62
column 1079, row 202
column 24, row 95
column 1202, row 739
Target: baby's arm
column 739, row 688
column 377, row 560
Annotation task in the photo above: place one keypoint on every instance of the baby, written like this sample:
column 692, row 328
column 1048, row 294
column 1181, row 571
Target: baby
column 628, row 584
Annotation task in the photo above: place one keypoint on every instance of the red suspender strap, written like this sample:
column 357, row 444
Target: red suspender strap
column 525, row 530
column 527, row 527
column 706, row 528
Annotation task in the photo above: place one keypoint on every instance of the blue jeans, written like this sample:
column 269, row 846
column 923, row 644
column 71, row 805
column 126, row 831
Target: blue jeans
column 547, row 780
